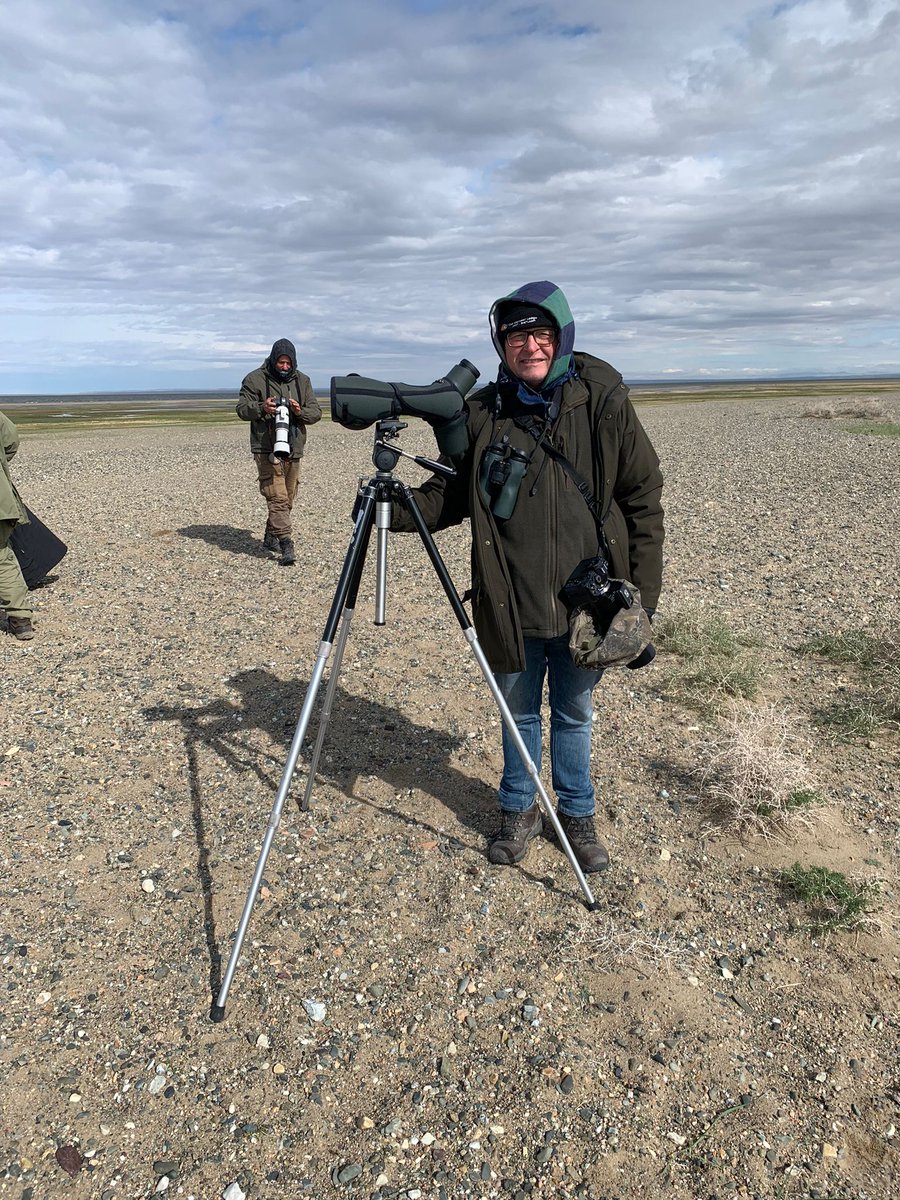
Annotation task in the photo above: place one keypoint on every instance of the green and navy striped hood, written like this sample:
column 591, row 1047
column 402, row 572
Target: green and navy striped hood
column 552, row 300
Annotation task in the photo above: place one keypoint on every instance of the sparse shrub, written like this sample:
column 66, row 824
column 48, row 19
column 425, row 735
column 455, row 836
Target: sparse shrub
column 834, row 901
column 715, row 663
column 756, row 778
column 819, row 411
column 866, row 408
column 876, row 656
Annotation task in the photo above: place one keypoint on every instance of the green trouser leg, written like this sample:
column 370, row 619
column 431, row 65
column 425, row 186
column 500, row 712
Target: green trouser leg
column 13, row 588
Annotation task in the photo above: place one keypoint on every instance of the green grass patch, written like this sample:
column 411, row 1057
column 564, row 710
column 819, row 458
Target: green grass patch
column 875, row 659
column 878, row 428
column 833, row 901
column 800, row 801
column 715, row 659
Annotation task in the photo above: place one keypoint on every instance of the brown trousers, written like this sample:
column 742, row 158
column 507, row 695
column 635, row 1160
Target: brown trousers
column 278, row 484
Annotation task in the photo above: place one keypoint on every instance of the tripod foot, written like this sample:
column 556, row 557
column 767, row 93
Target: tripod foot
column 217, row 1013
column 594, row 906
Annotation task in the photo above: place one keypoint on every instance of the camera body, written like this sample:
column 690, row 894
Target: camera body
column 282, row 445
column 590, row 586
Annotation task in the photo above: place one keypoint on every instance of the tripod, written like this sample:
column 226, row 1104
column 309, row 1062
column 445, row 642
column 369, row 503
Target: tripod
column 373, row 508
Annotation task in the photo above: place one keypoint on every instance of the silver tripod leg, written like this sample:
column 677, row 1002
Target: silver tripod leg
column 218, row 1009
column 528, row 763
column 325, row 715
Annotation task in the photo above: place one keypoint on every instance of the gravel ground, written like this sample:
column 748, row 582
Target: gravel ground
column 406, row 1019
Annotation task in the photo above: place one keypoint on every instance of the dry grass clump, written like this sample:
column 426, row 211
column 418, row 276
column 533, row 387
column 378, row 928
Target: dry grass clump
column 756, row 779
column 819, row 412
column 862, row 408
column 610, row 941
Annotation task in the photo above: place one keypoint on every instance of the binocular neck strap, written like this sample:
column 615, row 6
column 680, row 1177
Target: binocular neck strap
column 530, row 426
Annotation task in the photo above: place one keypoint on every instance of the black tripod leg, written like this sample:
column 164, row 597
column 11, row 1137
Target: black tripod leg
column 348, row 584
column 466, row 625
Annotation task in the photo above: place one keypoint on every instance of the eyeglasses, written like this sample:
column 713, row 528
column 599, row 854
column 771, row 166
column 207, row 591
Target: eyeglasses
column 542, row 337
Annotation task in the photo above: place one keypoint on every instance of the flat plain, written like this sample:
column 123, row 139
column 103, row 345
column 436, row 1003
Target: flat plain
column 406, row 1019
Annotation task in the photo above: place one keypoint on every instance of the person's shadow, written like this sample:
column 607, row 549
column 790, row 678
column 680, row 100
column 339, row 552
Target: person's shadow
column 363, row 737
column 226, row 537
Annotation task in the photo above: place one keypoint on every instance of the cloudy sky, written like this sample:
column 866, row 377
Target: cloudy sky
column 715, row 186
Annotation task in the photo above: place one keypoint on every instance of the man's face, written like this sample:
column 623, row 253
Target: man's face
column 283, row 363
column 530, row 360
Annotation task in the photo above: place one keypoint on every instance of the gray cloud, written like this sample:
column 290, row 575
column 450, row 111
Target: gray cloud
column 715, row 193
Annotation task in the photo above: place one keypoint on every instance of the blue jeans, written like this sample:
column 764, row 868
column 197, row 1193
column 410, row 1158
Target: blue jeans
column 571, row 709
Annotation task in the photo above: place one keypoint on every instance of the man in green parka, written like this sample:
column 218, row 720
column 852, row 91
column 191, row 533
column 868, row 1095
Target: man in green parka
column 13, row 588
column 522, row 557
column 276, row 381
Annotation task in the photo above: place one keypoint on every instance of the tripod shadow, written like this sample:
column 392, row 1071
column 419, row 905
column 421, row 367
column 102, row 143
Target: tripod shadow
column 364, row 738
column 235, row 541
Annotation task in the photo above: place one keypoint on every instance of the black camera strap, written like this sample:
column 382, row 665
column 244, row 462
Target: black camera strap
column 538, row 433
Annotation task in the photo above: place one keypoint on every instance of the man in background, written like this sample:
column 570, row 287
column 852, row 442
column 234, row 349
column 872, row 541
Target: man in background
column 13, row 588
column 277, row 381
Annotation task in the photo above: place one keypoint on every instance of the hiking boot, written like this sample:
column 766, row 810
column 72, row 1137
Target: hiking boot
column 288, row 558
column 270, row 541
column 20, row 627
column 591, row 854
column 516, row 831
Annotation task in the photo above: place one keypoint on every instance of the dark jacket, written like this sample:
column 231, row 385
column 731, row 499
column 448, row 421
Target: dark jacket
column 264, row 382
column 11, row 506
column 519, row 565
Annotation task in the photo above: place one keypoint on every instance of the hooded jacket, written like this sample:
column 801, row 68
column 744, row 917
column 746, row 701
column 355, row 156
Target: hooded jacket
column 11, row 506
column 267, row 381
column 520, row 564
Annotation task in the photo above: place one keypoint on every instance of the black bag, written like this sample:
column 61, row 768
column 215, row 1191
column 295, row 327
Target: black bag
column 37, row 548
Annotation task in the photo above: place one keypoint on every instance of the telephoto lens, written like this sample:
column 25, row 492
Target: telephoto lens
column 282, row 447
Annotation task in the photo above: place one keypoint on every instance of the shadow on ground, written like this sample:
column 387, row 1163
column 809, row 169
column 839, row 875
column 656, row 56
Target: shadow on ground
column 364, row 738
column 226, row 537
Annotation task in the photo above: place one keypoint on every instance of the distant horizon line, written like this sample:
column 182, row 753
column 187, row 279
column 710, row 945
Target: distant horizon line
column 632, row 382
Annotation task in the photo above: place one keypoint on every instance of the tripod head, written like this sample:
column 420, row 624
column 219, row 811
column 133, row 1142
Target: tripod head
column 386, row 456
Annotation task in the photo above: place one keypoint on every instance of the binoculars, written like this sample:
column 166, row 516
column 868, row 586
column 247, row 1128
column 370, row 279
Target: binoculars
column 500, row 475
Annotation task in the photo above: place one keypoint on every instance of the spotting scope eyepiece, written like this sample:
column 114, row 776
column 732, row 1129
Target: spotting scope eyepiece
column 357, row 402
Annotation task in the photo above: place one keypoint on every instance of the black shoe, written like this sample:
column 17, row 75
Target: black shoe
column 270, row 541
column 288, row 558
column 20, row 628
column 516, row 831
column 591, row 854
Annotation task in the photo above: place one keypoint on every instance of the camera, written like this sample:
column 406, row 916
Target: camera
column 357, row 402
column 282, row 447
column 589, row 586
